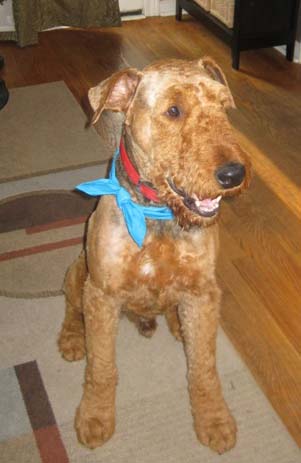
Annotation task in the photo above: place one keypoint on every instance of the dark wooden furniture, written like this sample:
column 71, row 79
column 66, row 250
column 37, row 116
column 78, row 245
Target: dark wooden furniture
column 257, row 24
column 4, row 95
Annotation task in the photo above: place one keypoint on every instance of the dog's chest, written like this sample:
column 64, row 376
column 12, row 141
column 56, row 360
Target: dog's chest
column 165, row 266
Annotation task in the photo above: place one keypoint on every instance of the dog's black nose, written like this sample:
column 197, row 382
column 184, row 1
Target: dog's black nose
column 230, row 175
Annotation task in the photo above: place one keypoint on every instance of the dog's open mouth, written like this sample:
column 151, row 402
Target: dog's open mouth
column 207, row 207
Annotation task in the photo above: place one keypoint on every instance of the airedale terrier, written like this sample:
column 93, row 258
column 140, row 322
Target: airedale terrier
column 152, row 241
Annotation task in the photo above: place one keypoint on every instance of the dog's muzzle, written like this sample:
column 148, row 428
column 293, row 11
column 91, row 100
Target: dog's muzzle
column 207, row 207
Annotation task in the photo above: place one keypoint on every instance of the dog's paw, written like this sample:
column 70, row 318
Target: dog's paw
column 93, row 431
column 72, row 346
column 219, row 435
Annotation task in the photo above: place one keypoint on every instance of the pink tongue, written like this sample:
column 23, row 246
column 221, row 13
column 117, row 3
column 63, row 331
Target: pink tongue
column 206, row 202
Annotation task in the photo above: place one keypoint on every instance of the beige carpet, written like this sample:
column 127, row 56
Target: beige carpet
column 43, row 130
column 39, row 231
column 39, row 392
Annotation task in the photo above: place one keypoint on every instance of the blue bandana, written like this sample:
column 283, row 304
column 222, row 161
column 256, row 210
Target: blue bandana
column 134, row 214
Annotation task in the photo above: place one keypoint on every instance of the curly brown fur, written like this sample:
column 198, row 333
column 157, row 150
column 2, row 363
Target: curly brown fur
column 178, row 136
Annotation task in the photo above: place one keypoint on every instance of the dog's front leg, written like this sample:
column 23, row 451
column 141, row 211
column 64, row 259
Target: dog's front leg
column 213, row 422
column 95, row 417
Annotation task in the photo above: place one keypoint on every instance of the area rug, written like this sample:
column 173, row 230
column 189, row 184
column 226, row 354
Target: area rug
column 41, row 233
column 43, row 130
column 40, row 392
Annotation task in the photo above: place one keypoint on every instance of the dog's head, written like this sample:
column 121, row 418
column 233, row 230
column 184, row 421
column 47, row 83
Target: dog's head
column 177, row 126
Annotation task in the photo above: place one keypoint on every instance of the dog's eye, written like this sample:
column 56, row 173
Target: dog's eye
column 173, row 111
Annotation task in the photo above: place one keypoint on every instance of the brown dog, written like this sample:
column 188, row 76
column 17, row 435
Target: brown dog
column 180, row 145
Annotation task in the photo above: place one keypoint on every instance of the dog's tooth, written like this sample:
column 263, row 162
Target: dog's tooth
column 216, row 200
column 206, row 204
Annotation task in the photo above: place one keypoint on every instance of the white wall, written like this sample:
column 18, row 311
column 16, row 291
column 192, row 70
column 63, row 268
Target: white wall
column 6, row 17
column 167, row 7
column 130, row 5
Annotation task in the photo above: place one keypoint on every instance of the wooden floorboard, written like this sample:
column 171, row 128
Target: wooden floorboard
column 259, row 267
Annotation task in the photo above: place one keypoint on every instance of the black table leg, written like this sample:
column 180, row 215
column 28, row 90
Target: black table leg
column 235, row 58
column 4, row 95
column 290, row 49
column 178, row 11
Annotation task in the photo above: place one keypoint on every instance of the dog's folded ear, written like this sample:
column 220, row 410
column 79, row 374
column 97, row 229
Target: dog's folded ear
column 114, row 93
column 214, row 71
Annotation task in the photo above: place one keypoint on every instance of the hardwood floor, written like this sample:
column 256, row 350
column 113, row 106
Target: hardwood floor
column 260, row 263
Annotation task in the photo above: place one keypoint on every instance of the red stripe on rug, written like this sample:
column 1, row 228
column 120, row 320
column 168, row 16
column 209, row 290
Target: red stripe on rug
column 56, row 224
column 39, row 249
column 40, row 413
column 34, row 395
column 50, row 445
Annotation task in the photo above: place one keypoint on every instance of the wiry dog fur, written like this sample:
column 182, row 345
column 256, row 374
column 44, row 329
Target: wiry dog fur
column 179, row 152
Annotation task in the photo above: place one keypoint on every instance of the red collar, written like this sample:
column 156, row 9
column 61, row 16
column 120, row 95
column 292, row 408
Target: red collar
column 147, row 191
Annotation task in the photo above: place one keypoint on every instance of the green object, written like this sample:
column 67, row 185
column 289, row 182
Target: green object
column 37, row 15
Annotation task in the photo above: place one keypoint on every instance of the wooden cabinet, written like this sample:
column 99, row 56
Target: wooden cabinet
column 256, row 24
